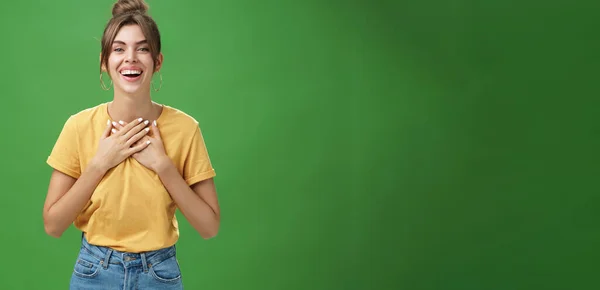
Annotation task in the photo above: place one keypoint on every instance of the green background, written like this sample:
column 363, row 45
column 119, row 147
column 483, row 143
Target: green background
column 358, row 144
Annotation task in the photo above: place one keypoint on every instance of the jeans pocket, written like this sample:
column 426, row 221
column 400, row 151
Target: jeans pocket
column 85, row 268
column 166, row 271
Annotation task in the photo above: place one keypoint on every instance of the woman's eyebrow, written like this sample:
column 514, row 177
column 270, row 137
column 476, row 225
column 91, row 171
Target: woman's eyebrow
column 122, row 42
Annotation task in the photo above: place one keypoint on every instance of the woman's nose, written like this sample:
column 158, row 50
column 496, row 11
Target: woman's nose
column 131, row 57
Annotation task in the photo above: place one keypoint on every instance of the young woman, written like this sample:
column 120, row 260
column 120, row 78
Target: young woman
column 122, row 168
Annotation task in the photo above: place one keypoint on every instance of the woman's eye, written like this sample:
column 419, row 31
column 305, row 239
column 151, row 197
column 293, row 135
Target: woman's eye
column 144, row 49
column 118, row 49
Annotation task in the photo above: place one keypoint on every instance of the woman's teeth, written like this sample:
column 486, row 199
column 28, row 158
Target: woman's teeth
column 127, row 72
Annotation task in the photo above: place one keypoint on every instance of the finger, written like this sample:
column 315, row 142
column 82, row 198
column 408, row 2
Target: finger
column 137, row 137
column 126, row 128
column 138, row 147
column 155, row 131
column 106, row 131
column 119, row 125
column 144, row 139
column 132, row 131
column 115, row 128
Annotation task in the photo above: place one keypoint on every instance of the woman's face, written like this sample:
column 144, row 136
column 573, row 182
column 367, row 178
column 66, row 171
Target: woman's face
column 130, row 62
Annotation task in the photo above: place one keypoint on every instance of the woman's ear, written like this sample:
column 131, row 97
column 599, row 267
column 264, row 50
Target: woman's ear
column 159, row 61
column 102, row 67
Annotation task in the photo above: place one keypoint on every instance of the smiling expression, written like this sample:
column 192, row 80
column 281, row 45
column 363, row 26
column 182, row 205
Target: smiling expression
column 130, row 62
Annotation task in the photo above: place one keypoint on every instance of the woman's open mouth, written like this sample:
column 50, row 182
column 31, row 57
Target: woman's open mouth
column 131, row 75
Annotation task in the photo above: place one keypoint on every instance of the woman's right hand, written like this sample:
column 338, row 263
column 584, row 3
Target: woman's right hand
column 113, row 149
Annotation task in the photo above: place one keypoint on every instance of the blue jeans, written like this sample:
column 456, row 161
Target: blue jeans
column 104, row 268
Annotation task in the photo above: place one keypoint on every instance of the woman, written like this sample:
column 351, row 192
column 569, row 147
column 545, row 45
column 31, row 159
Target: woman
column 122, row 168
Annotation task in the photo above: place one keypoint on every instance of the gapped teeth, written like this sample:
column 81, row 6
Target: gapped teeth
column 130, row 72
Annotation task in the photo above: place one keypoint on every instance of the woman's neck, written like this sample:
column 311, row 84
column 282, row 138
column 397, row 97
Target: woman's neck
column 129, row 108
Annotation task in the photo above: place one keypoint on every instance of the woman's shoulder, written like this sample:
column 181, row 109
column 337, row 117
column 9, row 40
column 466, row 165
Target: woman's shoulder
column 87, row 114
column 177, row 116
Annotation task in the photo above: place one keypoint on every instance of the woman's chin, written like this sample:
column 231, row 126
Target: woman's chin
column 131, row 89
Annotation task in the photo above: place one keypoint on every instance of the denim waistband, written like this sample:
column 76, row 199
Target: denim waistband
column 146, row 259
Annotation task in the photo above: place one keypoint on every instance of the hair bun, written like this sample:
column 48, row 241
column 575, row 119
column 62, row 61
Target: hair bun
column 129, row 6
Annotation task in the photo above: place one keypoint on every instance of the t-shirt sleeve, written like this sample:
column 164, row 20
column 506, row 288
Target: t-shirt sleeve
column 197, row 166
column 64, row 157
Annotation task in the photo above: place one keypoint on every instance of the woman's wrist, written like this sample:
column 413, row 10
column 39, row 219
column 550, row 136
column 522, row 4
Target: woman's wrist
column 163, row 165
column 98, row 166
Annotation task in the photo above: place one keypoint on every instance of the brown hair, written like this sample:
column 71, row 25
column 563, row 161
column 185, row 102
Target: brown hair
column 128, row 12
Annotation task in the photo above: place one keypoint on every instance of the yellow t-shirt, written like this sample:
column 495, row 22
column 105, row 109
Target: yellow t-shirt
column 130, row 209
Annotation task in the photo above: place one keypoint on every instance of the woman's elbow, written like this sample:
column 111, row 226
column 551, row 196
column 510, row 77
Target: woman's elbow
column 52, row 231
column 208, row 236
column 211, row 232
column 50, row 228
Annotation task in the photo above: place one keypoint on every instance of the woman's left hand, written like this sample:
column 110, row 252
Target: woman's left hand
column 154, row 155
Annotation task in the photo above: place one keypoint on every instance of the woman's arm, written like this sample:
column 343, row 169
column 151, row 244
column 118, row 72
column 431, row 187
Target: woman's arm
column 66, row 198
column 198, row 202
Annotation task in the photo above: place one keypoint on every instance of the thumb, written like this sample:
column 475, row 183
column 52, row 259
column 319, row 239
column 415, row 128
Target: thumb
column 106, row 132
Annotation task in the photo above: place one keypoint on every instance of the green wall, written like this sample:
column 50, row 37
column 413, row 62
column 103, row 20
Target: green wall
column 358, row 144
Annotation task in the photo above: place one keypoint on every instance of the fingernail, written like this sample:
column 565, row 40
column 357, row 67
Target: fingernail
column 115, row 124
column 140, row 119
column 121, row 122
column 155, row 123
column 148, row 142
column 146, row 122
column 107, row 122
column 114, row 131
column 147, row 129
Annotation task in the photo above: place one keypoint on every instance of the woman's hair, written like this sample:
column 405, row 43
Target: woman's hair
column 128, row 12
